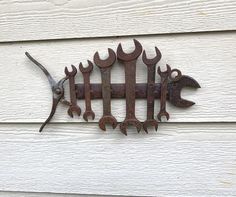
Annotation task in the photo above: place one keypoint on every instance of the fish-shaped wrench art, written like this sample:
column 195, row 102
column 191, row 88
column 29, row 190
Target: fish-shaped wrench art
column 169, row 89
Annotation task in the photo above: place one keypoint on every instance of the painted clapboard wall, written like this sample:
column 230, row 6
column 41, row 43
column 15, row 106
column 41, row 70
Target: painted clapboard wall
column 193, row 154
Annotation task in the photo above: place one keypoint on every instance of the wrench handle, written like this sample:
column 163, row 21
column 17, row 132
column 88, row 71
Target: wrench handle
column 164, row 90
column 130, row 82
column 87, row 91
column 106, row 90
column 73, row 99
column 150, row 91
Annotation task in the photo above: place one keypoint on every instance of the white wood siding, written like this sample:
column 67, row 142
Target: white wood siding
column 60, row 19
column 193, row 154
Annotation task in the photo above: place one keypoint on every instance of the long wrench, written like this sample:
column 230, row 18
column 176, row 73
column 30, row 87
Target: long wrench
column 129, row 61
column 151, row 65
column 86, row 75
column 105, row 68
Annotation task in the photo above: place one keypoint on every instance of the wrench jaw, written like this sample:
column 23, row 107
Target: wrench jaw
column 88, row 114
column 109, row 119
column 87, row 69
column 134, row 122
column 168, row 70
column 107, row 62
column 150, row 122
column 161, row 114
column 75, row 109
column 175, row 91
column 71, row 73
column 153, row 61
column 121, row 55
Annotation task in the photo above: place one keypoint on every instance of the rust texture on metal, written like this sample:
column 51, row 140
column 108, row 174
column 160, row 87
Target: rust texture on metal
column 169, row 89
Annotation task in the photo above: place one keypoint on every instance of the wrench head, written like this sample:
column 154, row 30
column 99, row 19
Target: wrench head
column 107, row 120
column 107, row 62
column 87, row 69
column 71, row 73
column 160, row 114
column 121, row 55
column 150, row 122
column 153, row 61
column 175, row 88
column 135, row 122
column 75, row 109
column 88, row 114
column 164, row 73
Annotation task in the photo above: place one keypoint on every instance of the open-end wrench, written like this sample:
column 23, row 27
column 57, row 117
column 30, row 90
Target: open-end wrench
column 151, row 65
column 129, row 61
column 164, row 83
column 86, row 75
column 175, row 87
column 105, row 68
column 73, row 101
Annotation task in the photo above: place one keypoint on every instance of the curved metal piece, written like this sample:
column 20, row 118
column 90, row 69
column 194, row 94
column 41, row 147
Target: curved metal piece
column 87, row 69
column 162, row 73
column 121, row 55
column 150, row 122
column 58, row 94
column 109, row 119
column 134, row 122
column 177, row 77
column 57, row 90
column 87, row 114
column 153, row 61
column 51, row 81
column 107, row 62
column 175, row 91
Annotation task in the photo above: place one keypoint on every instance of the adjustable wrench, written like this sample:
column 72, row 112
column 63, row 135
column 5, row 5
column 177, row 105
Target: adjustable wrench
column 151, row 65
column 105, row 68
column 73, row 101
column 129, row 61
column 86, row 75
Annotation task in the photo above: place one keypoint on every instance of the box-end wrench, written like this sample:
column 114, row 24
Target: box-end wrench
column 86, row 75
column 73, row 101
column 129, row 61
column 105, row 68
column 151, row 66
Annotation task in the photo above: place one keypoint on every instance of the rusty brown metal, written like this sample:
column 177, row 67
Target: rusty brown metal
column 86, row 71
column 164, row 83
column 73, row 101
column 168, row 90
column 151, row 66
column 129, row 61
column 105, row 68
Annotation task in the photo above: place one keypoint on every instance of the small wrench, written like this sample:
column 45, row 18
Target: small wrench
column 129, row 61
column 86, row 75
column 151, row 65
column 105, row 68
column 73, row 104
column 164, row 83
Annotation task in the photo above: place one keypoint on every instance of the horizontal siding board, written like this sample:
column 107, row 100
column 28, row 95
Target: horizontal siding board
column 37, row 20
column 209, row 58
column 40, row 194
column 181, row 159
